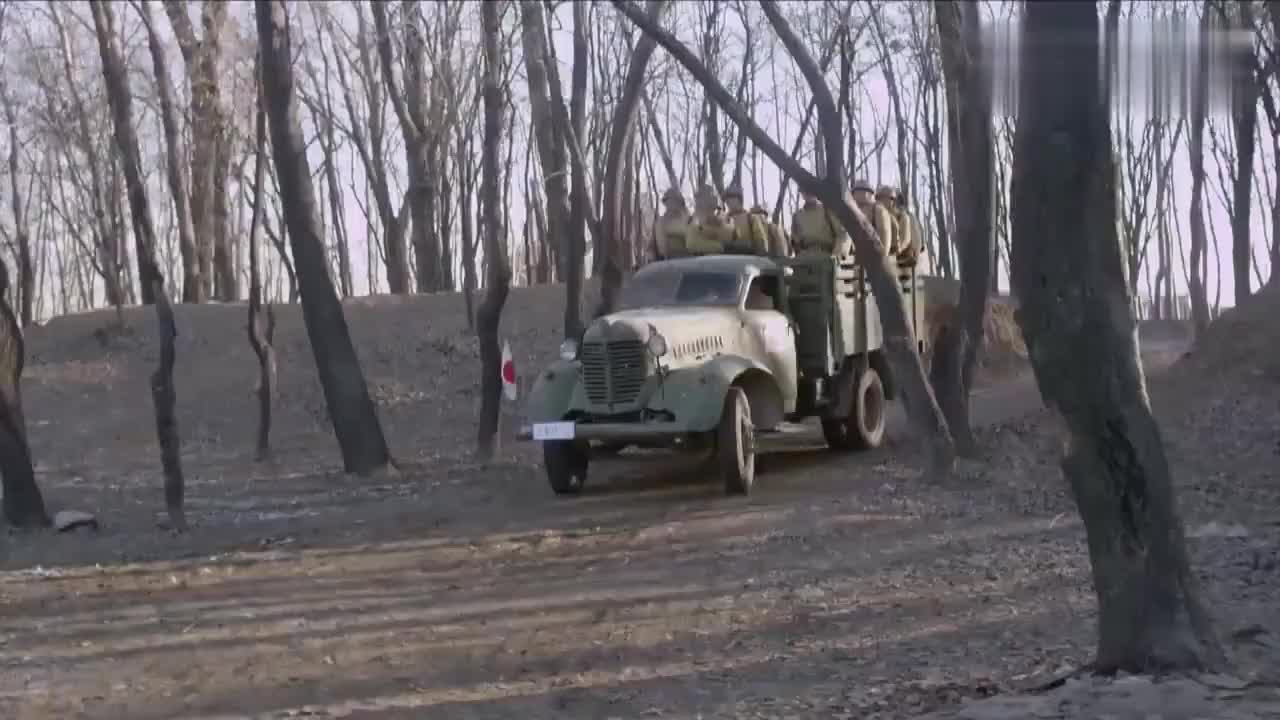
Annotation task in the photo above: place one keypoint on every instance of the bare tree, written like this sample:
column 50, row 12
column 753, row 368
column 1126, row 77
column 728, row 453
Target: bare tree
column 1199, row 113
column 23, row 503
column 176, row 174
column 351, row 409
column 968, row 92
column 107, row 247
column 1244, row 121
column 367, row 132
column 550, row 139
column 881, row 271
column 262, row 318
column 163, row 393
column 21, row 229
column 498, row 280
column 421, row 135
column 202, row 56
column 621, row 128
column 1076, row 316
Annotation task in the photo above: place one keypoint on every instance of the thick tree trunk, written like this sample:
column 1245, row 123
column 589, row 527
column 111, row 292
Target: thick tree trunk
column 972, row 180
column 23, row 503
column 1244, row 120
column 1077, row 318
column 163, row 394
column 226, row 278
column 498, row 280
column 351, row 409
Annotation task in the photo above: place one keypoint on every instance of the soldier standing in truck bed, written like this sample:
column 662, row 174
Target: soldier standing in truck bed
column 751, row 237
column 709, row 232
column 672, row 226
column 814, row 230
column 875, row 213
column 909, row 251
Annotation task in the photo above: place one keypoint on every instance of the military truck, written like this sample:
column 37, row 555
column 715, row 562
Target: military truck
column 704, row 353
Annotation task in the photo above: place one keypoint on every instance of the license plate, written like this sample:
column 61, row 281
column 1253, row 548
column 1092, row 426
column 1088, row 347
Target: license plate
column 553, row 431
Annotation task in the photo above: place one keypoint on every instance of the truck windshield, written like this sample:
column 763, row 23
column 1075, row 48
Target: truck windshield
column 659, row 288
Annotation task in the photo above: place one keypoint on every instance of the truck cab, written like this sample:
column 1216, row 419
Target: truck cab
column 705, row 352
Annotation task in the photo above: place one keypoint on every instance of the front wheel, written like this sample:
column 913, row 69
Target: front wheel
column 863, row 429
column 735, row 444
column 566, row 465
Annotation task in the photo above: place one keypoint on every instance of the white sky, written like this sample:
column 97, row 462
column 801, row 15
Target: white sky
column 779, row 112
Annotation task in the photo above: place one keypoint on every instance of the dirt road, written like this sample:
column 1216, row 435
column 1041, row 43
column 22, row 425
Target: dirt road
column 844, row 587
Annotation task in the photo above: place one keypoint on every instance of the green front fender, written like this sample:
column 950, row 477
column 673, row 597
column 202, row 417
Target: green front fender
column 696, row 395
column 552, row 392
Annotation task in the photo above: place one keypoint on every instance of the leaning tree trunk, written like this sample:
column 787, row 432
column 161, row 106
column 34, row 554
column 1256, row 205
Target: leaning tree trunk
column 351, row 409
column 968, row 93
column 262, row 318
column 1077, row 318
column 163, row 394
column 23, row 503
column 498, row 276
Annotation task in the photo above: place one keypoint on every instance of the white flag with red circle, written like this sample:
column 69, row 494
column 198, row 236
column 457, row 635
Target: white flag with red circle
column 508, row 372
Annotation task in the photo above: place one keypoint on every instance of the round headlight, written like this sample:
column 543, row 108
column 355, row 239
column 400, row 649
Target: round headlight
column 569, row 350
column 657, row 344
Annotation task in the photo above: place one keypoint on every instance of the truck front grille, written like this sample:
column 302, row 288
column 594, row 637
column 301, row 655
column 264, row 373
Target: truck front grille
column 613, row 373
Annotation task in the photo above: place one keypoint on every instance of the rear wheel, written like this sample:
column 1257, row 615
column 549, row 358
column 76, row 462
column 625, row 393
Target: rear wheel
column 863, row 429
column 566, row 465
column 736, row 444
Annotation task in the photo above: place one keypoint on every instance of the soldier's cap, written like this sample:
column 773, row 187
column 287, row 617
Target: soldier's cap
column 861, row 184
column 732, row 191
column 672, row 194
column 887, row 191
column 902, row 196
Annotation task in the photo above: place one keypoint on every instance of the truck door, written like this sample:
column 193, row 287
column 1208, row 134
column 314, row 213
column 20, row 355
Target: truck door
column 774, row 332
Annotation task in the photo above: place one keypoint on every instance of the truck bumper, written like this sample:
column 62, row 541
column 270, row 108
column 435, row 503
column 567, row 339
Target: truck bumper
column 617, row 431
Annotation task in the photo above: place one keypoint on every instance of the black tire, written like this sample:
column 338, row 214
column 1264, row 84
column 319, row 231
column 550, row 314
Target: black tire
column 863, row 429
column 566, row 464
column 736, row 444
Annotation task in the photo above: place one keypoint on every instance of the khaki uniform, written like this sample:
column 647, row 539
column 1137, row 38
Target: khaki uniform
column 779, row 245
column 815, row 230
column 709, row 236
column 895, row 228
column 671, row 230
column 882, row 221
column 750, row 237
column 909, row 240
